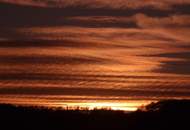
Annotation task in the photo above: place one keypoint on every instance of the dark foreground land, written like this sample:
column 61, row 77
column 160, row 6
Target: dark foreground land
column 164, row 115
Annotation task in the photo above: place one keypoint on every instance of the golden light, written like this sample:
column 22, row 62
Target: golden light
column 123, row 106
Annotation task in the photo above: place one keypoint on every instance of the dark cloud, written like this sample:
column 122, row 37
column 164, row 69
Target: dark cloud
column 74, row 77
column 182, row 55
column 39, row 43
column 99, row 24
column 175, row 67
column 181, row 8
column 24, row 16
column 10, row 33
column 90, row 92
column 45, row 43
column 52, row 59
column 181, row 66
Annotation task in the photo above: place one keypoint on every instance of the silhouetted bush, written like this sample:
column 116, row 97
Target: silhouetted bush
column 170, row 114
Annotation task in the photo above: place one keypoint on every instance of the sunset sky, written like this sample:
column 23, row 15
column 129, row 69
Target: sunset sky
column 94, row 53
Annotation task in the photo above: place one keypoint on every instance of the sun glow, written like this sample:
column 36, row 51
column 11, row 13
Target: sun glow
column 86, row 102
column 130, row 106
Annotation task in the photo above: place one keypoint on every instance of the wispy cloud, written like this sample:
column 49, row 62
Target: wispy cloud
column 99, row 3
column 130, row 94
column 125, row 48
column 177, row 15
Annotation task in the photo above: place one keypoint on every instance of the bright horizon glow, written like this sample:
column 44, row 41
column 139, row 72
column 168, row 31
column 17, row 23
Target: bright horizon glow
column 128, row 105
column 104, row 105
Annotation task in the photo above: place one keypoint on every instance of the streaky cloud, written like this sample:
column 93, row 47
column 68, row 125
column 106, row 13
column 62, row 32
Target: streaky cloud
column 91, row 92
column 36, row 16
column 164, row 4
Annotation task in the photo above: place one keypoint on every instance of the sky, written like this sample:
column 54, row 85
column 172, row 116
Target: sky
column 116, row 53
